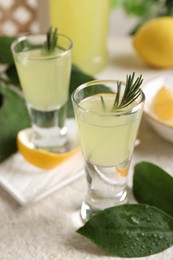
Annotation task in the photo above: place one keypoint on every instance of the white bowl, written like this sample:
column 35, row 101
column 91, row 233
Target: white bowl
column 150, row 89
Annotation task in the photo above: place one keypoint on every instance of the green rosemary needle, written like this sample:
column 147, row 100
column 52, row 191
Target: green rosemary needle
column 117, row 99
column 131, row 92
column 103, row 104
column 51, row 39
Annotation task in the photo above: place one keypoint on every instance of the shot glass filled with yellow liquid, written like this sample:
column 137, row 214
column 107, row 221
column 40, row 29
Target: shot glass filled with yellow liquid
column 107, row 138
column 44, row 76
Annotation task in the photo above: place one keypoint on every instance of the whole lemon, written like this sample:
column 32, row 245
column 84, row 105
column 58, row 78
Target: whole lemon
column 154, row 42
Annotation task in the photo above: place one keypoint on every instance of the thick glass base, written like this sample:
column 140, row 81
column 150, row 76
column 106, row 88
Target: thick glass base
column 106, row 188
column 49, row 130
column 88, row 208
column 54, row 140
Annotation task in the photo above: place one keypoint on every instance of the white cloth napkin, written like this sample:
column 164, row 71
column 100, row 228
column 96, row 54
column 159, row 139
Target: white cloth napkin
column 28, row 184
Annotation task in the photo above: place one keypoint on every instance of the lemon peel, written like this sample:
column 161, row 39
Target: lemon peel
column 162, row 105
column 40, row 158
column 122, row 171
column 154, row 42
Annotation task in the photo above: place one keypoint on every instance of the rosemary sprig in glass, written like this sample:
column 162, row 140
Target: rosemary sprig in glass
column 131, row 92
column 51, row 40
column 103, row 104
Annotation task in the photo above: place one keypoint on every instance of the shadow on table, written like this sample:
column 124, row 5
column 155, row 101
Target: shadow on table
column 84, row 245
column 129, row 61
column 5, row 196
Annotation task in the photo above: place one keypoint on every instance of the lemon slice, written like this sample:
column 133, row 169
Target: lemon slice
column 162, row 105
column 40, row 158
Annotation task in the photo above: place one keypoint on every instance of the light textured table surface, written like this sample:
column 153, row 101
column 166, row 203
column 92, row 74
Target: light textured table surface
column 46, row 230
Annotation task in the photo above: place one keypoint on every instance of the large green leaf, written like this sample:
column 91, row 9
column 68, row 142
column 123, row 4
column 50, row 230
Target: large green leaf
column 13, row 118
column 1, row 100
column 78, row 77
column 5, row 53
column 152, row 185
column 130, row 230
column 11, row 72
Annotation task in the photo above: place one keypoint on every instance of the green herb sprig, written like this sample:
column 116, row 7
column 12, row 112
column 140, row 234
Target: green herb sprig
column 103, row 104
column 51, row 40
column 131, row 92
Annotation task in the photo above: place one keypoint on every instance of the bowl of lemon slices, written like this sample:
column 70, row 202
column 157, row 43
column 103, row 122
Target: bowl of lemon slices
column 158, row 108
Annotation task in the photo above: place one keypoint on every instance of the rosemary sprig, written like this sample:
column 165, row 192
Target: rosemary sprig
column 103, row 104
column 117, row 99
column 131, row 92
column 51, row 40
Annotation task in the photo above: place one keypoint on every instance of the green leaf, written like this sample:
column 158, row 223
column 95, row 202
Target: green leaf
column 146, row 10
column 130, row 230
column 1, row 100
column 116, row 3
column 5, row 53
column 12, row 75
column 78, row 77
column 153, row 186
column 13, row 118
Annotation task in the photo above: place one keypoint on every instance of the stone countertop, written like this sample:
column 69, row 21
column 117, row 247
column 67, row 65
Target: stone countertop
column 46, row 230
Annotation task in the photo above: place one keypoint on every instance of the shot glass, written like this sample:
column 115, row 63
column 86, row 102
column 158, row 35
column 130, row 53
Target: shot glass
column 107, row 140
column 44, row 79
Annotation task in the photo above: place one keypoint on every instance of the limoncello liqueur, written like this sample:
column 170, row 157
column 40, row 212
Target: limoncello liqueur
column 86, row 23
column 44, row 80
column 107, row 140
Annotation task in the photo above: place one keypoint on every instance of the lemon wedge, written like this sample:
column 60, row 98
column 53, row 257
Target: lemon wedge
column 40, row 158
column 162, row 105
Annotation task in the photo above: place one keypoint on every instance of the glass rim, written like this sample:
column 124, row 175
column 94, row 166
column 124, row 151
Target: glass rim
column 119, row 112
column 46, row 57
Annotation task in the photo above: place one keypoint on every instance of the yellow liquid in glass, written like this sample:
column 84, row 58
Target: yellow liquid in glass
column 106, row 140
column 44, row 80
column 86, row 23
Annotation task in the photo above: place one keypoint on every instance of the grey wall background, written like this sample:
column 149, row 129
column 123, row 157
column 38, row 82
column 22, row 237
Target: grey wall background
column 120, row 24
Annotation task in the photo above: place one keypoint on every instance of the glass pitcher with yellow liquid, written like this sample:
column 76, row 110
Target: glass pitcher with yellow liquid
column 86, row 23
